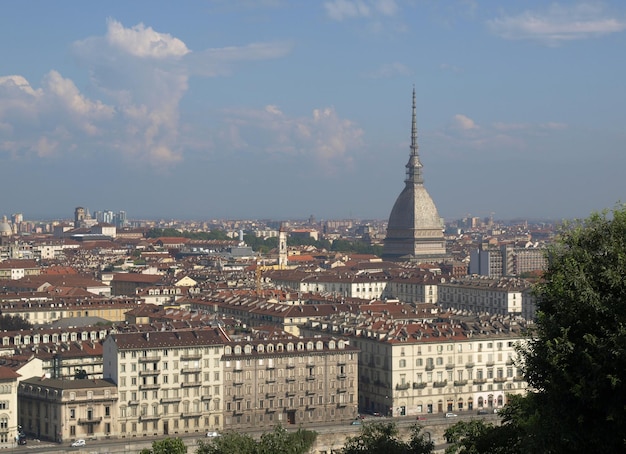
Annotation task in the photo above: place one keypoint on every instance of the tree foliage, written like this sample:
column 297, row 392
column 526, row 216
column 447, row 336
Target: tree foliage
column 278, row 441
column 382, row 438
column 10, row 322
column 167, row 446
column 575, row 360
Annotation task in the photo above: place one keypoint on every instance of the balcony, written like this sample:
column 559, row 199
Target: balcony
column 342, row 404
column 480, row 381
column 149, row 386
column 290, row 379
column 342, row 390
column 133, row 403
column 143, row 373
column 342, row 377
column 402, row 386
column 238, row 383
column 499, row 379
column 169, row 400
column 420, row 385
column 206, row 397
column 509, row 362
column 290, row 366
column 149, row 359
column 440, row 384
column 310, row 377
column 290, row 393
column 190, row 384
column 270, row 367
column 270, row 380
column 460, row 382
column 270, row 394
column 310, row 366
column 469, row 365
column 490, row 363
column 190, row 370
column 237, row 397
column 194, row 357
column 430, row 367
column 92, row 420
column 519, row 378
column 449, row 366
column 190, row 414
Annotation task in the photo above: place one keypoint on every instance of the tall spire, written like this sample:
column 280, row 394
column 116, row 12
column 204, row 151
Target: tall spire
column 414, row 166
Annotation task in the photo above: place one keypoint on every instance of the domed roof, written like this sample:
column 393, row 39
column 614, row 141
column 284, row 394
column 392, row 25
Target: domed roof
column 5, row 229
column 414, row 209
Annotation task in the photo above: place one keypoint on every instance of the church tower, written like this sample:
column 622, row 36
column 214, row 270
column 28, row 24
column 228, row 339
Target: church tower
column 415, row 230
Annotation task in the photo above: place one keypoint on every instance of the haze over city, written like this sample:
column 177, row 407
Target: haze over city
column 220, row 109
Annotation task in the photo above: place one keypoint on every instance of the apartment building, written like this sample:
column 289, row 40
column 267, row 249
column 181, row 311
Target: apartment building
column 64, row 410
column 289, row 380
column 8, row 407
column 414, row 368
column 480, row 294
column 169, row 382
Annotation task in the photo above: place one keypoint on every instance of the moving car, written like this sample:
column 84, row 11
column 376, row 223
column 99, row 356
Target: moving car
column 451, row 415
column 78, row 443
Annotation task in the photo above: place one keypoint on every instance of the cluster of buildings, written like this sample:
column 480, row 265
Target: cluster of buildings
column 132, row 336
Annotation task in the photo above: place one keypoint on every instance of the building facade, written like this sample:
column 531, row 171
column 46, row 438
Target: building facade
column 64, row 410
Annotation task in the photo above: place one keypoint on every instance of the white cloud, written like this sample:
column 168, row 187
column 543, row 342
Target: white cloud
column 144, row 42
column 463, row 122
column 558, row 24
column 323, row 137
column 141, row 76
column 349, row 9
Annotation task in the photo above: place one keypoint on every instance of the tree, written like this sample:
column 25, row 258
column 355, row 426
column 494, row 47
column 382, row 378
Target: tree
column 10, row 322
column 80, row 374
column 575, row 360
column 167, row 446
column 278, row 441
column 382, row 438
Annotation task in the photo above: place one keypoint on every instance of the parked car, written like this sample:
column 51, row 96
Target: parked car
column 483, row 412
column 212, row 434
column 356, row 422
column 451, row 415
column 78, row 443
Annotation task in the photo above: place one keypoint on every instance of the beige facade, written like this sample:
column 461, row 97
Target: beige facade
column 8, row 407
column 415, row 368
column 169, row 382
column 289, row 382
column 64, row 410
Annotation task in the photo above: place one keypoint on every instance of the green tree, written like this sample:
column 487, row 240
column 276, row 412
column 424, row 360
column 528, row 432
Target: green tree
column 10, row 322
column 80, row 374
column 278, row 441
column 382, row 438
column 575, row 360
column 167, row 446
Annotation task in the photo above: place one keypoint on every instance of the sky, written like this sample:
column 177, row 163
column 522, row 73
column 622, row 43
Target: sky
column 282, row 109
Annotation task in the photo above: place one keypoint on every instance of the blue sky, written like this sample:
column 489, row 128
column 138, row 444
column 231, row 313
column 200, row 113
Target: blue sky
column 286, row 108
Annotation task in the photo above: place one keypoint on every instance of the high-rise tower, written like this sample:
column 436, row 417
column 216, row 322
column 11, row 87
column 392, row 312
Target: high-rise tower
column 415, row 230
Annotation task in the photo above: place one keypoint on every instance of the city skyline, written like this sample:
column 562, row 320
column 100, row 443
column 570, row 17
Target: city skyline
column 277, row 109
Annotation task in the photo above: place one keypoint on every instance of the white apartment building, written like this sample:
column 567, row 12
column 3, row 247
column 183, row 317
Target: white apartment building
column 169, row 382
column 419, row 368
column 480, row 294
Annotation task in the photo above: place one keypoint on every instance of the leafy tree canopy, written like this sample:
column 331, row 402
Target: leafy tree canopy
column 382, row 438
column 278, row 441
column 10, row 322
column 167, row 446
column 575, row 360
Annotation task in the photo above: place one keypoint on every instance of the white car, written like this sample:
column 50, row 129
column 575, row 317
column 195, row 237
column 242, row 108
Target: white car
column 212, row 434
column 78, row 443
column 451, row 415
